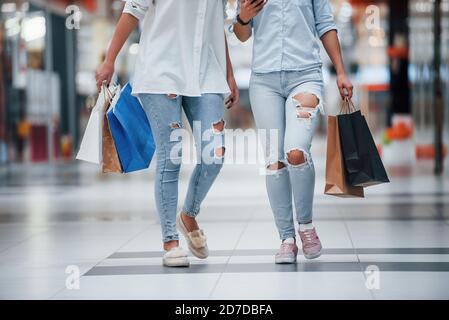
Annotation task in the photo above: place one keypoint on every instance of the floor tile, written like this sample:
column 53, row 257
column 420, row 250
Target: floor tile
column 413, row 285
column 401, row 234
column 289, row 286
column 61, row 215
column 143, row 287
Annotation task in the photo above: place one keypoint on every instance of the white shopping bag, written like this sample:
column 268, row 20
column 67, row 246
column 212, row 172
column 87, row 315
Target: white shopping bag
column 91, row 145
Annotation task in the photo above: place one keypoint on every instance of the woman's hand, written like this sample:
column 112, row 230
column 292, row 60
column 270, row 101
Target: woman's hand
column 344, row 86
column 104, row 74
column 234, row 98
column 250, row 8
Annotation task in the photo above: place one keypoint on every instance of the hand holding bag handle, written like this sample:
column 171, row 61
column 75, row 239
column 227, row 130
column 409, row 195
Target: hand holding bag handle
column 347, row 106
column 107, row 93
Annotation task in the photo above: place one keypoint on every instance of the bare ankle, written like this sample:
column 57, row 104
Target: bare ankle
column 170, row 244
column 189, row 222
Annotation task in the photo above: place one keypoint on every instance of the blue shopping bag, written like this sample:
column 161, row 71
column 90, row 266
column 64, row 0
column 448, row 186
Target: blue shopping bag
column 131, row 132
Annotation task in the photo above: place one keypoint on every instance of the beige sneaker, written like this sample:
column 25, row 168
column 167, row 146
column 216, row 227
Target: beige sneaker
column 196, row 240
column 176, row 257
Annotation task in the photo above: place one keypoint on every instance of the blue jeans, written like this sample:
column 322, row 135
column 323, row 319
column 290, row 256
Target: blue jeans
column 164, row 114
column 275, row 109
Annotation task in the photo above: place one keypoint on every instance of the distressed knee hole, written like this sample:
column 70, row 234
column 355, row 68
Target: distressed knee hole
column 307, row 104
column 218, row 127
column 276, row 166
column 307, row 100
column 304, row 115
column 220, row 152
column 296, row 157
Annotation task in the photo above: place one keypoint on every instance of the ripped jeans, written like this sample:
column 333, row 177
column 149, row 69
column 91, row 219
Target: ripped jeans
column 205, row 116
column 287, row 104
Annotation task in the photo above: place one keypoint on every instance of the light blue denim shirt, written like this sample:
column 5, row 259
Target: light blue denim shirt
column 286, row 34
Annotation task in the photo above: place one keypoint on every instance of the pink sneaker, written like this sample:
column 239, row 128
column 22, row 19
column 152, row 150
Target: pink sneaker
column 287, row 253
column 311, row 244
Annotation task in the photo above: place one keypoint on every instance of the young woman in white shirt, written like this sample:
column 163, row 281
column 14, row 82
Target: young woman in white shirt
column 183, row 64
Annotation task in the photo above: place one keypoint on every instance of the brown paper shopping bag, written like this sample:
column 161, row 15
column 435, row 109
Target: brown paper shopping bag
column 111, row 161
column 336, row 183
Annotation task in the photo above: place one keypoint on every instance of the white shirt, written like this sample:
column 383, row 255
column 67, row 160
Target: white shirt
column 182, row 47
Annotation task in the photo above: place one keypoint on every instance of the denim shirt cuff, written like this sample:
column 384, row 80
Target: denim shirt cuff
column 323, row 30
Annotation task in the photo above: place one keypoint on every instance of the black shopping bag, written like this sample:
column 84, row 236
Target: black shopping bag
column 372, row 169
column 351, row 154
column 362, row 162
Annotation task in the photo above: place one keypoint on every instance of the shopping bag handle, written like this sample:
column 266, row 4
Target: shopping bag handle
column 347, row 106
column 107, row 93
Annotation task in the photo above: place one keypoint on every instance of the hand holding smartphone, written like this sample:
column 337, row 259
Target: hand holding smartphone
column 250, row 8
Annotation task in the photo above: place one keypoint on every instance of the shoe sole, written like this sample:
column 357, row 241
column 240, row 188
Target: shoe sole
column 176, row 262
column 285, row 260
column 313, row 256
column 199, row 253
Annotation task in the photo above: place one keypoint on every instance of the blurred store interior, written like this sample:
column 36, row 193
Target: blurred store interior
column 57, row 212
column 49, row 51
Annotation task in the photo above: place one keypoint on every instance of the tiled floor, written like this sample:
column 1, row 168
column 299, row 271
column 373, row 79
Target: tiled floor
column 52, row 217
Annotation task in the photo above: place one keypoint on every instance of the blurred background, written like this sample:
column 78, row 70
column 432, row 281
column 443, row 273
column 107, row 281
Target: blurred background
column 55, row 211
column 50, row 50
